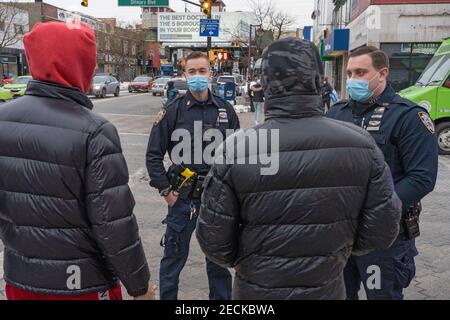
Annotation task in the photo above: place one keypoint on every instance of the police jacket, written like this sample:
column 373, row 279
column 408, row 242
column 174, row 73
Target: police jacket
column 188, row 116
column 288, row 235
column 66, row 211
column 406, row 135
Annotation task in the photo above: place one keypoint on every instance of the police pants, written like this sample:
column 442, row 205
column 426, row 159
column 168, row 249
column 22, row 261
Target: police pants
column 176, row 251
column 384, row 273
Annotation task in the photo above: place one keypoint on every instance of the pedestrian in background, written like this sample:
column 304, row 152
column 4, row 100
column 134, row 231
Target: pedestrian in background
column 289, row 235
column 172, row 92
column 66, row 211
column 258, row 101
column 334, row 96
column 327, row 90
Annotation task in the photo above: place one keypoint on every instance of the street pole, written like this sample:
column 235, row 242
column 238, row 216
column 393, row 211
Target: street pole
column 249, row 73
column 208, row 41
column 252, row 108
column 250, row 51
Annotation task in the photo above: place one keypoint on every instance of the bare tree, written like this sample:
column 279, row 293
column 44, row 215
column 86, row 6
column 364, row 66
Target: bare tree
column 280, row 22
column 13, row 24
column 263, row 10
column 270, row 18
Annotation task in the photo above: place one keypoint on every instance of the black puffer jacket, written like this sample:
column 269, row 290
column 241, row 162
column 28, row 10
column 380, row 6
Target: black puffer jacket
column 289, row 235
column 64, row 198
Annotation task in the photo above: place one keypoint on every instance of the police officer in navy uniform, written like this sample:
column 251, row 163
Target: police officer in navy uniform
column 199, row 107
column 405, row 133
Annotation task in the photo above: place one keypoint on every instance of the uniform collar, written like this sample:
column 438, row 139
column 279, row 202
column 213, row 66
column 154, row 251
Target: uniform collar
column 191, row 101
column 384, row 100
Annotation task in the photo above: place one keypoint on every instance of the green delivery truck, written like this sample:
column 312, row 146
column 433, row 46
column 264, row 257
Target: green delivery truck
column 432, row 91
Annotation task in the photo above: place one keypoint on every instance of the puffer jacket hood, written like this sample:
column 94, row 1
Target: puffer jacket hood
column 60, row 54
column 291, row 75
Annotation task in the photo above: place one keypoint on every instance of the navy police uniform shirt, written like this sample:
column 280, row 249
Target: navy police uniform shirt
column 214, row 113
column 405, row 133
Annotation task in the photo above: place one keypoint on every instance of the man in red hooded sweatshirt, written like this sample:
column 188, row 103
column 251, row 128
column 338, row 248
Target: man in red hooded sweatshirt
column 66, row 211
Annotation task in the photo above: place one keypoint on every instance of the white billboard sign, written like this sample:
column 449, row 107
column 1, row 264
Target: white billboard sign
column 185, row 27
column 70, row 17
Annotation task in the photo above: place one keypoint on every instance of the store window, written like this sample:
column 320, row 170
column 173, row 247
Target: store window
column 407, row 61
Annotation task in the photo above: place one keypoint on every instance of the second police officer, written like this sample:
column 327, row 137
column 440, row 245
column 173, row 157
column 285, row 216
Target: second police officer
column 181, row 184
column 406, row 135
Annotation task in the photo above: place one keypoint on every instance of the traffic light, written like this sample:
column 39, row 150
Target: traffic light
column 212, row 55
column 85, row 3
column 206, row 7
column 219, row 55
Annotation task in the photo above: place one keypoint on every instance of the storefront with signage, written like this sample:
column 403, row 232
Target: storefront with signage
column 409, row 32
column 335, row 50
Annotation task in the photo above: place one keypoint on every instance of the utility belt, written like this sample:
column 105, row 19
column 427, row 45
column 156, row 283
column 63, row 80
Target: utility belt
column 409, row 225
column 185, row 182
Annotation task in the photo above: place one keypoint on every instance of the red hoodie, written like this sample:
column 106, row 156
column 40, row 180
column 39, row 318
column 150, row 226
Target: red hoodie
column 60, row 54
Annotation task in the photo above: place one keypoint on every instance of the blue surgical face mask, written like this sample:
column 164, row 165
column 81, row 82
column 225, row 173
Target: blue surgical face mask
column 359, row 89
column 197, row 83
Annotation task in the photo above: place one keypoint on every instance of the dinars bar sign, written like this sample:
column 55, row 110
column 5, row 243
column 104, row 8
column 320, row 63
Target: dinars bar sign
column 143, row 3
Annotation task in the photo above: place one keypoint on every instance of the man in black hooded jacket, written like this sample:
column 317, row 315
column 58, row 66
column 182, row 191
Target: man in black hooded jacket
column 289, row 235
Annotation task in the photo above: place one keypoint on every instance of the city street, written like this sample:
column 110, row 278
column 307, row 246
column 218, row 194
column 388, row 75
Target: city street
column 133, row 115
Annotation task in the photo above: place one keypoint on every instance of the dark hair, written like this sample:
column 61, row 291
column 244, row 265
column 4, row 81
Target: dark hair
column 196, row 55
column 170, row 85
column 380, row 59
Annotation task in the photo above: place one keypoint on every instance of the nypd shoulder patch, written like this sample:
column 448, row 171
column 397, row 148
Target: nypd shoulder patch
column 427, row 121
column 161, row 114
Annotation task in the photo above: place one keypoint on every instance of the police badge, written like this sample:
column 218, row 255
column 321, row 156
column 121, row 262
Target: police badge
column 428, row 123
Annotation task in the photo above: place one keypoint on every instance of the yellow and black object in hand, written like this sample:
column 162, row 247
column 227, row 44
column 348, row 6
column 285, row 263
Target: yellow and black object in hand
column 182, row 180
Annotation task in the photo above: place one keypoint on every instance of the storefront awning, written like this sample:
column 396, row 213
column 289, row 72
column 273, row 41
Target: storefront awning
column 337, row 43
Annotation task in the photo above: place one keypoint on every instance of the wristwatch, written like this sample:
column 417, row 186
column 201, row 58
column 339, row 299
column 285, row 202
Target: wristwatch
column 165, row 192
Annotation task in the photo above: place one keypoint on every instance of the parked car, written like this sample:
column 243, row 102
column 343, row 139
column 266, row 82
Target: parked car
column 104, row 84
column 5, row 95
column 159, row 85
column 180, row 84
column 140, row 84
column 17, row 86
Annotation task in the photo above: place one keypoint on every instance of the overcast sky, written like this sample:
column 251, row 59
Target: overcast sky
column 300, row 9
